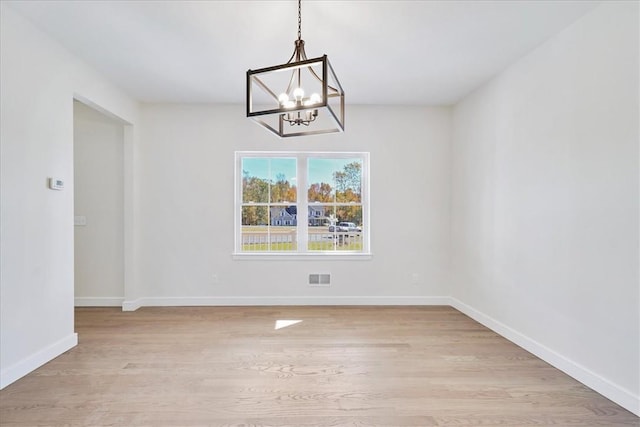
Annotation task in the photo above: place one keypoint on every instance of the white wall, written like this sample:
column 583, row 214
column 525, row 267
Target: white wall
column 186, row 175
column 38, row 80
column 98, row 150
column 545, row 202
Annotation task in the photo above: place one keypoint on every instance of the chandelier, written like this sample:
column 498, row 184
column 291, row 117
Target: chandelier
column 301, row 97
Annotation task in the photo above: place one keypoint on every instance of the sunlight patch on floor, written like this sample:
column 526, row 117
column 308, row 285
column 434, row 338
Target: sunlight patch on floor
column 284, row 323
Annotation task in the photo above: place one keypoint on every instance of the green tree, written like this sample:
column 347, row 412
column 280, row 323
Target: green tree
column 349, row 190
column 348, row 183
column 282, row 190
column 254, row 190
column 349, row 214
column 320, row 192
column 255, row 215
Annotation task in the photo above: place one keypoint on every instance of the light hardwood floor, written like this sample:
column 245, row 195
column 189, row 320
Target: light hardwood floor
column 340, row 366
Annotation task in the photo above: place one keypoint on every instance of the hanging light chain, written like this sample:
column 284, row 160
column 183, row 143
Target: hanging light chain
column 299, row 19
column 299, row 117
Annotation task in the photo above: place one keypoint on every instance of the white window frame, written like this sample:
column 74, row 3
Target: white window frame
column 302, row 203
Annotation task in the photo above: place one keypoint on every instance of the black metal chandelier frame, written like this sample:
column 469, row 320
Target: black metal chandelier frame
column 288, row 117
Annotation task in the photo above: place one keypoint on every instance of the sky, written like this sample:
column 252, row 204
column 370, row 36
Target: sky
column 319, row 169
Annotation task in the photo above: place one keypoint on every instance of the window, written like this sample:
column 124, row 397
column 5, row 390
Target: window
column 301, row 203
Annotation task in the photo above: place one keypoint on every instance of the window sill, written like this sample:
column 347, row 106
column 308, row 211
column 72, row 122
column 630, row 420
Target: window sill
column 262, row 256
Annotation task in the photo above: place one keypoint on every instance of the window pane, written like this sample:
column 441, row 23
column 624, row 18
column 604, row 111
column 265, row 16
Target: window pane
column 268, row 180
column 255, row 180
column 320, row 218
column 283, row 221
column 335, row 180
column 255, row 220
column 338, row 228
column 255, row 216
column 269, row 229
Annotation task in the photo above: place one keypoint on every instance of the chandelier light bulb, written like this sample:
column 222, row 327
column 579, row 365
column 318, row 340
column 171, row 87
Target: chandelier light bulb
column 315, row 99
column 298, row 93
column 283, row 98
column 289, row 104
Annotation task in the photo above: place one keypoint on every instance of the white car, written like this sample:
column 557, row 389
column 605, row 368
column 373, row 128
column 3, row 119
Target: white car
column 345, row 227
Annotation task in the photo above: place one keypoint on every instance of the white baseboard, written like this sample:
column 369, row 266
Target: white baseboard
column 33, row 362
column 617, row 394
column 133, row 305
column 98, row 301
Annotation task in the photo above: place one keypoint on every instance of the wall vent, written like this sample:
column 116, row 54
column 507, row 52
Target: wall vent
column 318, row 279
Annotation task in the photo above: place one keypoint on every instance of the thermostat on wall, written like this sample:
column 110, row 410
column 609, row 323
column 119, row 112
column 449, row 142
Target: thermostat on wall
column 56, row 184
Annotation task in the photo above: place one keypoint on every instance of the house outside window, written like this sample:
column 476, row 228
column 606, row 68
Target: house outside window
column 274, row 188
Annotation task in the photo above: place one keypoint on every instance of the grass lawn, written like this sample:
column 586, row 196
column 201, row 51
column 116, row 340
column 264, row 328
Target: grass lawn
column 284, row 240
column 292, row 246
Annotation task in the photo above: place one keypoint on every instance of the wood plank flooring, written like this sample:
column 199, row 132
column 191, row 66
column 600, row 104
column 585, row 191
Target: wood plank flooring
column 340, row 366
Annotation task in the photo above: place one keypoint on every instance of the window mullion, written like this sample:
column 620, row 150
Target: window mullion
column 303, row 204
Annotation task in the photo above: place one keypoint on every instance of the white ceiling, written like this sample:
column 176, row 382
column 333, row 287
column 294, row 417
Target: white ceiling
column 383, row 52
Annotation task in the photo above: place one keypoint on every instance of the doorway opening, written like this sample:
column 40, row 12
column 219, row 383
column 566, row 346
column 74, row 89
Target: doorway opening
column 99, row 233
